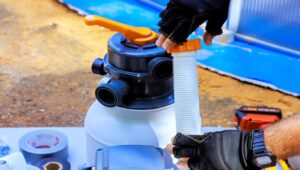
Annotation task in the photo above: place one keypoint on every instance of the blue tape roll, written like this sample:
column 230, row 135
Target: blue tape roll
column 41, row 144
column 53, row 164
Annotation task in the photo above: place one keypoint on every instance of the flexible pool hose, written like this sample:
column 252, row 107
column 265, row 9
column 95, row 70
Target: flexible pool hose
column 187, row 109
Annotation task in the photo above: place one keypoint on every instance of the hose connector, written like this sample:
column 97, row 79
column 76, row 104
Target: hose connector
column 160, row 68
column 98, row 67
column 112, row 93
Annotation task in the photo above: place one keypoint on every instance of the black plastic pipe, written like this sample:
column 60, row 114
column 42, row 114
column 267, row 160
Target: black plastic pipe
column 112, row 93
column 98, row 67
column 160, row 68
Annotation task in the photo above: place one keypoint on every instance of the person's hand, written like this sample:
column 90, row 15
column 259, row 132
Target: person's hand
column 182, row 17
column 166, row 43
column 226, row 150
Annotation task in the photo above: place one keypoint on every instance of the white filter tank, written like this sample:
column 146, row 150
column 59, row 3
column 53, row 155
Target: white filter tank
column 118, row 126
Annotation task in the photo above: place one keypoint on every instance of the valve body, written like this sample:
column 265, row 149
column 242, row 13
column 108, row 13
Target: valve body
column 140, row 76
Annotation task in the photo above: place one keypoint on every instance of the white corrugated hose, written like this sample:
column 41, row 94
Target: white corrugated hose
column 187, row 109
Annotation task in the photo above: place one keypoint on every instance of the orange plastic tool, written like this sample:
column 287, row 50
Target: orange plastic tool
column 137, row 35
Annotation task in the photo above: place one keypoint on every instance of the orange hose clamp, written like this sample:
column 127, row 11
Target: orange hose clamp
column 190, row 45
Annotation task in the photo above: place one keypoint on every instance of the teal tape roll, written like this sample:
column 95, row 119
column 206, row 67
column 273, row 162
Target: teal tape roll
column 41, row 144
column 53, row 164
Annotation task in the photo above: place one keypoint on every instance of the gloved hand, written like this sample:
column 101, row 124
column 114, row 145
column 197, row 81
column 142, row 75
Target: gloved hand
column 182, row 17
column 226, row 150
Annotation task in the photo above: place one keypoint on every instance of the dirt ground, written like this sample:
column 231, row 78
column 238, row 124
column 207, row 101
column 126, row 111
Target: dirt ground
column 45, row 80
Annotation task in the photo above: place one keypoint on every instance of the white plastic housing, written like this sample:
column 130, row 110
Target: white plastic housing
column 14, row 161
column 188, row 120
column 118, row 126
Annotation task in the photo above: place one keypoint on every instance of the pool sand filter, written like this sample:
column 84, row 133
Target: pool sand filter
column 134, row 115
column 135, row 97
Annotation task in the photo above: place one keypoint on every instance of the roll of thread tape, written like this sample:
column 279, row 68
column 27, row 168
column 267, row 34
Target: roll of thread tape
column 41, row 144
column 53, row 164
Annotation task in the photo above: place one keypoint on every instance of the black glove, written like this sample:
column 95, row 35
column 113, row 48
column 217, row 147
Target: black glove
column 182, row 17
column 226, row 150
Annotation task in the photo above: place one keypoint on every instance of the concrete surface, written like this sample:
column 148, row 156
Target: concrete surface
column 45, row 80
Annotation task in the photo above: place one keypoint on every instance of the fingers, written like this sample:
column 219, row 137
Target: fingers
column 182, row 163
column 183, row 152
column 160, row 41
column 179, row 152
column 187, row 146
column 169, row 148
column 188, row 140
column 168, row 44
column 208, row 38
column 165, row 43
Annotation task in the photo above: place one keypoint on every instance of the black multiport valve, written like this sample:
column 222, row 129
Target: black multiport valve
column 136, row 77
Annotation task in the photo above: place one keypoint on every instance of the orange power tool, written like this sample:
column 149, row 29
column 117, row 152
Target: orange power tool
column 248, row 118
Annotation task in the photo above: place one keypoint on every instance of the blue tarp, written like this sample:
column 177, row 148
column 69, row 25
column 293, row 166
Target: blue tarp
column 253, row 64
column 132, row 12
column 243, row 61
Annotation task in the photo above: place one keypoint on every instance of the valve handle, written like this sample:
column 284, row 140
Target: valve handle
column 137, row 35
